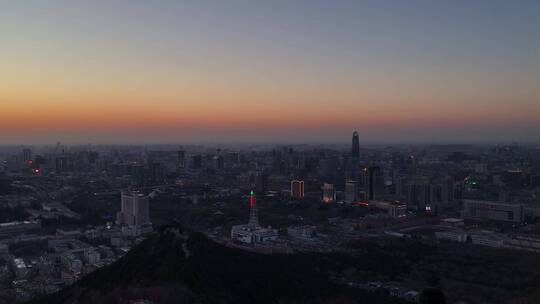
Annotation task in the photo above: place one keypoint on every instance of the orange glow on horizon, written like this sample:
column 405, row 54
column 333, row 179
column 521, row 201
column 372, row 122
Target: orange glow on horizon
column 105, row 117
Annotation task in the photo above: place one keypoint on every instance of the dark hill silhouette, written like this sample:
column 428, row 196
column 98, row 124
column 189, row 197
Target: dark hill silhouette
column 432, row 296
column 176, row 266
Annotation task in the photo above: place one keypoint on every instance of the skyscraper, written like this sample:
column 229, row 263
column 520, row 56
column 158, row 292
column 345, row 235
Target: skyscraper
column 197, row 161
column 219, row 162
column 27, row 155
column 329, row 195
column 63, row 163
column 157, row 172
column 181, row 161
column 355, row 146
column 134, row 209
column 261, row 182
column 233, row 157
column 297, row 189
column 351, row 191
column 420, row 193
column 374, row 183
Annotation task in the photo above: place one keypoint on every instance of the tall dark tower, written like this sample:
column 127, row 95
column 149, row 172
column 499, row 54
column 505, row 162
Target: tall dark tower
column 355, row 146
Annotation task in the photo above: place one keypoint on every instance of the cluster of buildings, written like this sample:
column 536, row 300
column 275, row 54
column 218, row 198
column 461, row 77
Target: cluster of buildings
column 491, row 238
column 402, row 189
column 270, row 240
column 324, row 194
column 47, row 241
column 62, row 261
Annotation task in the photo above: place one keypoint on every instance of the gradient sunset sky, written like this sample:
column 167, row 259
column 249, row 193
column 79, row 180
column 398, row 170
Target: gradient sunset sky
column 265, row 71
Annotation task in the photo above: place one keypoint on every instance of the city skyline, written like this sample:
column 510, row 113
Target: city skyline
column 312, row 71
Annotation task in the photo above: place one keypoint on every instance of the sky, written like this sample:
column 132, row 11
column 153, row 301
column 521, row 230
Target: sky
column 269, row 71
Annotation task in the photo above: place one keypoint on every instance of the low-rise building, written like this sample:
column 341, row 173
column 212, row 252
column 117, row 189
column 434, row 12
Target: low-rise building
column 452, row 222
column 72, row 263
column 264, row 235
column 452, row 235
column 91, row 256
column 19, row 268
column 523, row 243
column 11, row 229
column 488, row 238
column 252, row 234
column 394, row 209
column 496, row 211
column 305, row 232
column 4, row 249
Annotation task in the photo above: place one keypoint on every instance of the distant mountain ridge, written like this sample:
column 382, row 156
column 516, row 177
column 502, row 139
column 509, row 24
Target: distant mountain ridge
column 179, row 266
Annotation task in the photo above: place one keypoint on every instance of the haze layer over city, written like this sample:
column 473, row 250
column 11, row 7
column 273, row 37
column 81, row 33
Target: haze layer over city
column 270, row 152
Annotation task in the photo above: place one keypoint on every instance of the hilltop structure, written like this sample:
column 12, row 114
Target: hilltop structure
column 253, row 232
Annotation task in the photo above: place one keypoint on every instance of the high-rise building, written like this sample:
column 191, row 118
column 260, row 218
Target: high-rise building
column 355, row 146
column 443, row 190
column 401, row 186
column 134, row 209
column 157, row 173
column 351, row 191
column 374, row 183
column 63, row 163
column 137, row 172
column 181, row 161
column 233, row 157
column 420, row 194
column 261, row 182
column 329, row 195
column 27, row 155
column 197, row 161
column 297, row 189
column 219, row 162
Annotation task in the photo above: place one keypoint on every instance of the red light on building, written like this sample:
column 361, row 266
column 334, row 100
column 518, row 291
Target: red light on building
column 251, row 199
column 37, row 171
